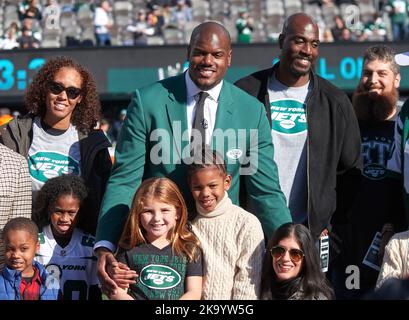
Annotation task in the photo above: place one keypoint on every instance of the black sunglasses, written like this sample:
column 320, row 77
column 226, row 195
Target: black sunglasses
column 72, row 92
column 278, row 252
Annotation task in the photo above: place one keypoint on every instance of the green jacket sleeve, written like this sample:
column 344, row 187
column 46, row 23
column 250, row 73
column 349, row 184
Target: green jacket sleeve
column 126, row 174
column 266, row 200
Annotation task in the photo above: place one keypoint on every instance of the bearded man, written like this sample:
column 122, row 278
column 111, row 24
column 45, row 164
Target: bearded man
column 378, row 205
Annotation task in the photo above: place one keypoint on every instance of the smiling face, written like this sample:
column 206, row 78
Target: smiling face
column 378, row 78
column 158, row 219
column 299, row 49
column 208, row 186
column 64, row 215
column 209, row 55
column 59, row 107
column 284, row 267
column 20, row 248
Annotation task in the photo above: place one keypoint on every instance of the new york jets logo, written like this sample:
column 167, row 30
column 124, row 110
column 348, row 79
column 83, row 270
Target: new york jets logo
column 159, row 277
column 234, row 154
column 288, row 116
column 47, row 165
column 374, row 171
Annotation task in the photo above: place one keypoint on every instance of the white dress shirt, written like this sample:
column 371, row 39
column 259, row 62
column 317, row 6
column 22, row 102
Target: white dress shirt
column 210, row 106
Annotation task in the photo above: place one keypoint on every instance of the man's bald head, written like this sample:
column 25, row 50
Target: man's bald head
column 209, row 27
column 297, row 19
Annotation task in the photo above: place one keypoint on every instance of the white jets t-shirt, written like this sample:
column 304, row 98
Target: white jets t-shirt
column 289, row 134
column 51, row 155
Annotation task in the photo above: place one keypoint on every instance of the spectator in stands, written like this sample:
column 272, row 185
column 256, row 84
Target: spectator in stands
column 29, row 9
column 346, row 35
column 58, row 137
column 15, row 190
column 170, row 103
column 375, row 30
column 160, row 18
column 327, row 35
column 153, row 21
column 291, row 268
column 398, row 12
column 33, row 27
column 377, row 206
column 338, row 28
column 27, row 40
column 244, row 26
column 309, row 168
column 10, row 40
column 141, row 29
column 103, row 24
column 181, row 14
column 166, row 14
column 117, row 125
column 104, row 125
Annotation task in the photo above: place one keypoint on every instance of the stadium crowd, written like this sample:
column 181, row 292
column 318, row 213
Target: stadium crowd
column 66, row 23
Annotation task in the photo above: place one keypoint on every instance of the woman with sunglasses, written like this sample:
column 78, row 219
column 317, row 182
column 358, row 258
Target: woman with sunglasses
column 291, row 269
column 57, row 136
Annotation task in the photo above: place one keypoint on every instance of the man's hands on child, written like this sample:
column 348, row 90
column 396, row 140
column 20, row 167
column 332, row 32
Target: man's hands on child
column 122, row 274
column 113, row 274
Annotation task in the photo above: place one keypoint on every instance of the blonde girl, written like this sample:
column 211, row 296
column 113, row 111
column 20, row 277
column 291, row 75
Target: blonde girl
column 158, row 244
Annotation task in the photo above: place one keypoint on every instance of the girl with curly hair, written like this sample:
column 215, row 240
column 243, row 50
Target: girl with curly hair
column 65, row 250
column 57, row 136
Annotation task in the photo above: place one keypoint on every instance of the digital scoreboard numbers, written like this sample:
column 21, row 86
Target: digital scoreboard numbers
column 16, row 77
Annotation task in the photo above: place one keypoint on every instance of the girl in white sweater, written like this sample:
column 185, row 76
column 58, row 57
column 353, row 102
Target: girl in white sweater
column 232, row 239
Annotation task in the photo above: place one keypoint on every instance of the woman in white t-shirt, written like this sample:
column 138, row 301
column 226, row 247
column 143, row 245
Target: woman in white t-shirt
column 58, row 136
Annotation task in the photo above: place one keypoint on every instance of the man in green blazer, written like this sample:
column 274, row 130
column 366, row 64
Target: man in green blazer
column 155, row 140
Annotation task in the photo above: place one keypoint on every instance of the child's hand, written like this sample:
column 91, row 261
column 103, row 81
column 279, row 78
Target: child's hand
column 120, row 294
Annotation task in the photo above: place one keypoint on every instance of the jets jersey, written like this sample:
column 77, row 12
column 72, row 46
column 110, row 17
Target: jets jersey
column 75, row 265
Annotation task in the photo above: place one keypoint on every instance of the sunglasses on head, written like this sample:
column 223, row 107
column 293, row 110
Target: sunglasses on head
column 278, row 252
column 72, row 92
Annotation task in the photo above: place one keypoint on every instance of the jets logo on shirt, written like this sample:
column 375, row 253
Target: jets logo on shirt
column 159, row 277
column 375, row 152
column 374, row 171
column 288, row 116
column 47, row 165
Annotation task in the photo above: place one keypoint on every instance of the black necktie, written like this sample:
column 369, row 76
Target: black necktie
column 200, row 122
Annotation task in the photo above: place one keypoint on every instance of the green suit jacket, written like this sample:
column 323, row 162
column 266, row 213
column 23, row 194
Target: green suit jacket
column 154, row 139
